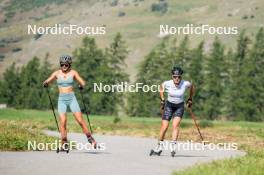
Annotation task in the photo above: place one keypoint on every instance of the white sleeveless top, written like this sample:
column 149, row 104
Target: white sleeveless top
column 175, row 93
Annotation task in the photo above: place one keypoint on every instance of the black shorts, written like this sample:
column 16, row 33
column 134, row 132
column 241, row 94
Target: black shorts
column 172, row 110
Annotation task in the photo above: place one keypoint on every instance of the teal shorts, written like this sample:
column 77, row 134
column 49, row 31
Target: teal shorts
column 66, row 100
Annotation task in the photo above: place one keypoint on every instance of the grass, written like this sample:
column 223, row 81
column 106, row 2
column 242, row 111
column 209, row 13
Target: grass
column 18, row 126
column 223, row 130
column 250, row 138
column 252, row 163
column 14, row 136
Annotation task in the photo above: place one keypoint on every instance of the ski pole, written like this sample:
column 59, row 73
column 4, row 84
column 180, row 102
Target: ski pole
column 51, row 104
column 86, row 112
column 195, row 122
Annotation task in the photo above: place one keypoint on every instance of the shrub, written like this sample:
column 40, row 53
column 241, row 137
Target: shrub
column 2, row 57
column 37, row 36
column 159, row 7
column 114, row 3
column 10, row 14
column 16, row 49
column 245, row 17
column 120, row 14
column 116, row 120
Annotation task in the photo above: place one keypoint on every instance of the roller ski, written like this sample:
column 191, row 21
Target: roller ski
column 93, row 143
column 154, row 153
column 157, row 151
column 63, row 148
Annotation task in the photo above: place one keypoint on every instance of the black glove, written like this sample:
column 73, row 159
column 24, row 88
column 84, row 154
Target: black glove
column 80, row 87
column 189, row 102
column 162, row 103
column 45, row 85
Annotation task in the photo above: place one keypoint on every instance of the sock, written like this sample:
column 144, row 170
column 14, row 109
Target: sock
column 159, row 146
column 88, row 135
column 64, row 140
column 173, row 145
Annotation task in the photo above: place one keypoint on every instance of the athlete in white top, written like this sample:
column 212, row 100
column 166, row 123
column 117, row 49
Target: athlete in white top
column 173, row 107
column 176, row 92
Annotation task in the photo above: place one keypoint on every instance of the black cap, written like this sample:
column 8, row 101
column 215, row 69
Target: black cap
column 176, row 71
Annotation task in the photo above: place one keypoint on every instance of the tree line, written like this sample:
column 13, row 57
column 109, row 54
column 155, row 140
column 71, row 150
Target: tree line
column 22, row 87
column 229, row 82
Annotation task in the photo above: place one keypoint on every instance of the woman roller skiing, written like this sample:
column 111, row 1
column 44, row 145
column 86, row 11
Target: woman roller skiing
column 65, row 78
column 173, row 107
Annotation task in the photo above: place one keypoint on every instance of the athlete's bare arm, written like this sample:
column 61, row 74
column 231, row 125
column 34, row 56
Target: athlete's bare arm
column 161, row 90
column 78, row 78
column 51, row 78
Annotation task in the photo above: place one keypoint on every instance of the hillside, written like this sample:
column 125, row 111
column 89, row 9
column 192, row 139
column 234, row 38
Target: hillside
column 133, row 18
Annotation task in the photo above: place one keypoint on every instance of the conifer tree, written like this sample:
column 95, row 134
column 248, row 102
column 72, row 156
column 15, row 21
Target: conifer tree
column 213, row 86
column 10, row 86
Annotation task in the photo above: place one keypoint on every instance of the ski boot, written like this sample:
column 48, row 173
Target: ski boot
column 93, row 142
column 64, row 147
column 157, row 151
column 173, row 148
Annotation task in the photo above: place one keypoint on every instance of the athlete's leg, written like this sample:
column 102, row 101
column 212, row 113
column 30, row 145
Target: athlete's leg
column 62, row 109
column 167, row 114
column 166, row 117
column 78, row 116
column 178, row 113
column 163, row 129
column 175, row 127
column 81, row 121
column 63, row 127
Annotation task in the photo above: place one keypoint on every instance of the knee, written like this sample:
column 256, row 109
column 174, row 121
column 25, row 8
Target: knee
column 164, row 127
column 176, row 127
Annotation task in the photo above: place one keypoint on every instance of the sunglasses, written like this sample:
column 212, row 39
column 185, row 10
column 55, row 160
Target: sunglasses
column 176, row 76
column 64, row 65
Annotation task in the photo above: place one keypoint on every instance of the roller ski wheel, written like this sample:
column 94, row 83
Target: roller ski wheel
column 62, row 150
column 173, row 154
column 95, row 146
column 154, row 153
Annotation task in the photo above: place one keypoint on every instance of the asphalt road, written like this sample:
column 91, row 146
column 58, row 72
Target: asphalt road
column 123, row 156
